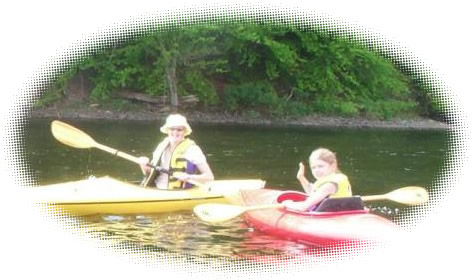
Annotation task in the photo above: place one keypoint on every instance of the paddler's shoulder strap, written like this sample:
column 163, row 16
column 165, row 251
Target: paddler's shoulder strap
column 148, row 181
column 156, row 156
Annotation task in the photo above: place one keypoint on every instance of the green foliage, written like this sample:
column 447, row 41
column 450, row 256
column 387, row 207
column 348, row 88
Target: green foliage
column 275, row 70
column 336, row 106
column 195, row 83
column 348, row 109
column 56, row 91
column 249, row 95
column 294, row 108
column 387, row 109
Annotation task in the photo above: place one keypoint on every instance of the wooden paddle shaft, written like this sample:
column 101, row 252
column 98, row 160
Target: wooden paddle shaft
column 129, row 157
column 374, row 197
column 118, row 153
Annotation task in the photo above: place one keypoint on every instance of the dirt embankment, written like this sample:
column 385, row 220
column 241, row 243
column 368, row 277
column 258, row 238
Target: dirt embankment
column 214, row 117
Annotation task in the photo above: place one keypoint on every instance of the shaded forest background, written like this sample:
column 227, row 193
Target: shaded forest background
column 261, row 69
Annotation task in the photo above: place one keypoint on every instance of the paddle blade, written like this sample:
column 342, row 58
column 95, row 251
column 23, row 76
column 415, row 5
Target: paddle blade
column 71, row 136
column 216, row 213
column 409, row 195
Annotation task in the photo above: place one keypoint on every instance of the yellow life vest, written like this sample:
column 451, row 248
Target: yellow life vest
column 342, row 182
column 179, row 164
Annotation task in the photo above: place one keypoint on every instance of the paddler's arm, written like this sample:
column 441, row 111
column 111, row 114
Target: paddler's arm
column 316, row 197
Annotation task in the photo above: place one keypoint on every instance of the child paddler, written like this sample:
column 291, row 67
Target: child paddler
column 330, row 182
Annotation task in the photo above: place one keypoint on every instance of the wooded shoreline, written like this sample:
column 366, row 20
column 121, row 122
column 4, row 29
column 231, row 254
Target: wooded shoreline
column 273, row 70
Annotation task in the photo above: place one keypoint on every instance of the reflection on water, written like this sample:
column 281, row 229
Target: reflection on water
column 376, row 161
column 183, row 233
column 184, row 236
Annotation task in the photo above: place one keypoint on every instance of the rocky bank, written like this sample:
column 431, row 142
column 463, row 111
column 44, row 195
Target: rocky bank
column 213, row 117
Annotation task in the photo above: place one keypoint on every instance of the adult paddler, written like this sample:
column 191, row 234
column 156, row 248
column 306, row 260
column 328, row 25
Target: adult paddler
column 177, row 154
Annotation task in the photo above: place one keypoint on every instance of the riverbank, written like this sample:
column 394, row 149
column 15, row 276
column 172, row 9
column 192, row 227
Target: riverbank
column 213, row 117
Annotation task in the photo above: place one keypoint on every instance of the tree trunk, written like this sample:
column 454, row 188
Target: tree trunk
column 172, row 81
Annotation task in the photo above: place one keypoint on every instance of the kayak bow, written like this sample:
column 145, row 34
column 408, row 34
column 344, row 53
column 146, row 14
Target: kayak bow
column 106, row 195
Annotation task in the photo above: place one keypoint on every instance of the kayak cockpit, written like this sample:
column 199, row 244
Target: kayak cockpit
column 327, row 207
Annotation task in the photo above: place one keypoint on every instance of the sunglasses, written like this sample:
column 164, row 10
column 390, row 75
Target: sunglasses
column 179, row 129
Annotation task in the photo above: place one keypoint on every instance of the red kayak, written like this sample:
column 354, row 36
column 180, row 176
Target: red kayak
column 335, row 221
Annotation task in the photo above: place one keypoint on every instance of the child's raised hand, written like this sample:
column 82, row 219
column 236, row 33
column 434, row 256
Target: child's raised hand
column 301, row 171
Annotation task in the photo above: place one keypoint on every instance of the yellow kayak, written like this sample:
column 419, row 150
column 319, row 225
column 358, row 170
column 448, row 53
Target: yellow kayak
column 106, row 195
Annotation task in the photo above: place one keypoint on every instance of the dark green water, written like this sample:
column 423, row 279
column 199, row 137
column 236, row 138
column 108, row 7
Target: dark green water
column 376, row 161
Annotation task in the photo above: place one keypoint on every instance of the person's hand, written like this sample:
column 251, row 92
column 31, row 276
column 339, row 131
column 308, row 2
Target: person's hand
column 301, row 171
column 181, row 176
column 290, row 204
column 287, row 203
column 143, row 161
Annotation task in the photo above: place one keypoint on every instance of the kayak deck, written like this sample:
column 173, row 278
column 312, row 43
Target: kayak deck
column 106, row 195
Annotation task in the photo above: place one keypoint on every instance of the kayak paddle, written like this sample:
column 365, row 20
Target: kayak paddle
column 76, row 138
column 215, row 213
column 407, row 195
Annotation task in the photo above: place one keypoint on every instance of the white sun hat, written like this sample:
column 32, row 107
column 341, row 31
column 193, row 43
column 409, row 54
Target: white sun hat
column 176, row 120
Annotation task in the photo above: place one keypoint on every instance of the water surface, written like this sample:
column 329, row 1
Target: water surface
column 376, row 161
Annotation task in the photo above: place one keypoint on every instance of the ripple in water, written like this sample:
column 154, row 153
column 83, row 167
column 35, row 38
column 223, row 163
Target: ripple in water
column 184, row 234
